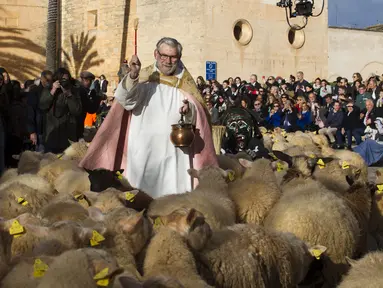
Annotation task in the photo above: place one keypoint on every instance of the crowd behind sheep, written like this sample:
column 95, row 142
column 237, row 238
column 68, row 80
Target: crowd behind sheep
column 306, row 216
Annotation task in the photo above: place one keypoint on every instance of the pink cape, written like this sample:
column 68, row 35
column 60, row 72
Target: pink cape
column 108, row 149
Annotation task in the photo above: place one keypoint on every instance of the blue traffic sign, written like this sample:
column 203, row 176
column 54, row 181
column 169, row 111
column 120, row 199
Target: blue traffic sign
column 211, row 70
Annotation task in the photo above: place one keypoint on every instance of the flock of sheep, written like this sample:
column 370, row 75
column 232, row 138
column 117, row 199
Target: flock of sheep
column 304, row 217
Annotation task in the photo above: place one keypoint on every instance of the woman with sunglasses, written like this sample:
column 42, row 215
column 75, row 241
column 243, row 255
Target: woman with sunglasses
column 274, row 118
column 352, row 124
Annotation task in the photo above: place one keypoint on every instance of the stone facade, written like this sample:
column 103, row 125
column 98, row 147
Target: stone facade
column 353, row 50
column 243, row 37
column 22, row 37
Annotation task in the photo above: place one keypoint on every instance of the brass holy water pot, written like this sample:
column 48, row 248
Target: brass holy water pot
column 182, row 134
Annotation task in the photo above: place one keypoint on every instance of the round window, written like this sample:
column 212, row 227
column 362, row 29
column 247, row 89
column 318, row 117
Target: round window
column 296, row 37
column 243, row 32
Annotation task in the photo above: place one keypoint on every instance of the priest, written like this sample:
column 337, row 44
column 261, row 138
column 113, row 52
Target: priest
column 135, row 136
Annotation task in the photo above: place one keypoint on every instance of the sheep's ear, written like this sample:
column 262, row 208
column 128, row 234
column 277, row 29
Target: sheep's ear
column 71, row 142
column 378, row 173
column 193, row 173
column 245, row 163
column 317, row 251
column 96, row 214
column 119, row 171
column 357, row 174
column 88, row 170
column 284, row 157
column 133, row 223
column 350, row 261
column 327, row 160
column 16, row 157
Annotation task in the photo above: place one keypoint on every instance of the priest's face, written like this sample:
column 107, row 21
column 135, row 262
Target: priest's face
column 167, row 59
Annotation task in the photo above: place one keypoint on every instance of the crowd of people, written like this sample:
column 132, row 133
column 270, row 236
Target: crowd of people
column 44, row 113
column 339, row 110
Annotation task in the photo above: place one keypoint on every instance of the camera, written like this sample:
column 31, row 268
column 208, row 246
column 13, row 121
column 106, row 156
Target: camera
column 65, row 83
column 304, row 8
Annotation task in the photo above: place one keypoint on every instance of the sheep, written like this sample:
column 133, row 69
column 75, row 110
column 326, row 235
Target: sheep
column 267, row 141
column 352, row 158
column 63, row 211
column 256, row 193
column 31, row 269
column 211, row 198
column 317, row 216
column 366, row 272
column 30, row 162
column 318, row 139
column 248, row 255
column 168, row 253
column 81, row 268
column 359, row 199
column 72, row 182
column 230, row 162
column 76, row 151
column 18, row 198
column 53, row 170
column 376, row 222
column 102, row 179
column 161, row 282
column 8, row 174
column 127, row 232
column 33, row 181
column 28, row 237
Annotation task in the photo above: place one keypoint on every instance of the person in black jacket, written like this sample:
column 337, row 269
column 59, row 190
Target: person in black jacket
column 289, row 117
column 352, row 124
column 90, row 100
column 334, row 123
column 35, row 122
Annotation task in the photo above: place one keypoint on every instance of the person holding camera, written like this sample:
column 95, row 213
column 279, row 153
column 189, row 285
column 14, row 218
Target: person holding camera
column 62, row 105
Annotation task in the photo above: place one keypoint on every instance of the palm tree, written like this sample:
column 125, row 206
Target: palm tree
column 52, row 35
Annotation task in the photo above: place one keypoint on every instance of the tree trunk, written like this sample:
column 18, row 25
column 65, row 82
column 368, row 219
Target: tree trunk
column 51, row 53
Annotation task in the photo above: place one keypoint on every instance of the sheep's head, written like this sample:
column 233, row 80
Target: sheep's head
column 212, row 174
column 189, row 223
column 76, row 150
column 101, row 179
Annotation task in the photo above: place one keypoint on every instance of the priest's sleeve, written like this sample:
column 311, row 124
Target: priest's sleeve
column 128, row 93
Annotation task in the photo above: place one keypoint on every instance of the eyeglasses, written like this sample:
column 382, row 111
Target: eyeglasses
column 257, row 104
column 164, row 57
column 350, row 106
column 276, row 106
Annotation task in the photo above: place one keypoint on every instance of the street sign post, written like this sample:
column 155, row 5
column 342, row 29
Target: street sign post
column 211, row 70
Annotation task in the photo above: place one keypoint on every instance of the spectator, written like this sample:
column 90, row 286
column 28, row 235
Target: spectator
column 352, row 125
column 379, row 105
column 355, row 89
column 62, row 103
column 201, row 85
column 368, row 115
column 337, row 85
column 238, row 81
column 362, row 97
column 301, row 83
column 374, row 89
column 274, row 118
column 317, row 86
column 213, row 113
column 289, row 117
column 300, row 101
column 304, row 117
column 324, row 90
column 347, row 88
column 104, row 84
column 342, row 97
column 333, row 125
column 90, row 100
column 260, row 110
column 253, row 87
column 36, row 117
column 226, row 89
column 221, row 105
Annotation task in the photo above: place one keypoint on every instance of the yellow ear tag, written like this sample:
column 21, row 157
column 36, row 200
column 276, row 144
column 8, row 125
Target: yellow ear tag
column 96, row 239
column 102, row 274
column 284, row 133
column 276, row 141
column 157, row 222
column 81, row 199
column 103, row 282
column 321, row 164
column 312, row 156
column 273, row 156
column 22, row 201
column 279, row 167
column 345, row 165
column 231, row 176
column 129, row 197
column 119, row 175
column 39, row 268
column 380, row 189
column 60, row 156
column 16, row 229
column 317, row 253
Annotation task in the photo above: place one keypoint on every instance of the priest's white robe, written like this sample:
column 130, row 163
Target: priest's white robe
column 154, row 165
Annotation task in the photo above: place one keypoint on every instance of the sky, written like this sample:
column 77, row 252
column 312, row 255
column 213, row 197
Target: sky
column 354, row 13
